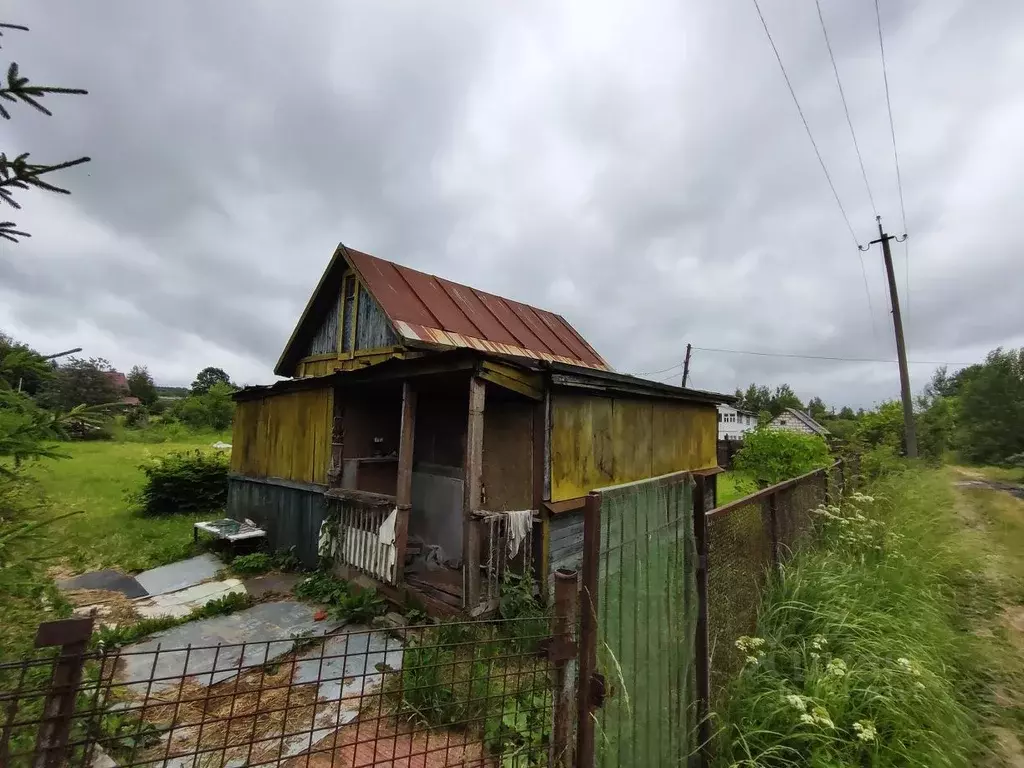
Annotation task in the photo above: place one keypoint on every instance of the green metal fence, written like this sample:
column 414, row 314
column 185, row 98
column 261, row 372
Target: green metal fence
column 646, row 614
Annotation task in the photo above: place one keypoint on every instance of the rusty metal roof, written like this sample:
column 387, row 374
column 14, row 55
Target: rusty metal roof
column 428, row 309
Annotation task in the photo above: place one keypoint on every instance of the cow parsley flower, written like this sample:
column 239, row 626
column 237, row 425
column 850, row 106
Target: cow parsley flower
column 796, row 701
column 836, row 668
column 865, row 731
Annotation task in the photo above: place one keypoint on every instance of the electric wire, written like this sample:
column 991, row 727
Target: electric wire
column 823, row 357
column 895, row 155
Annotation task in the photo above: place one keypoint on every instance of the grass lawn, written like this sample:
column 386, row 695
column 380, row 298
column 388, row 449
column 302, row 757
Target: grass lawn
column 108, row 533
column 734, row 485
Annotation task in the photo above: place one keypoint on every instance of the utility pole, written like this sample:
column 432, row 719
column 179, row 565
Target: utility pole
column 909, row 431
column 686, row 364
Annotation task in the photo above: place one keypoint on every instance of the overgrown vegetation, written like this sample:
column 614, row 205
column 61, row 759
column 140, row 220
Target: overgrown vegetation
column 860, row 656
column 769, row 456
column 343, row 601
column 255, row 563
column 188, row 481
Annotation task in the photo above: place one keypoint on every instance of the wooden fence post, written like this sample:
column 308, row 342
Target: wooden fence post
column 72, row 635
column 585, row 731
column 563, row 649
column 773, row 527
column 702, row 646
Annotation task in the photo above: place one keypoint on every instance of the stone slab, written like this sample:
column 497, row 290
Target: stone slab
column 272, row 583
column 182, row 602
column 109, row 580
column 221, row 647
column 185, row 573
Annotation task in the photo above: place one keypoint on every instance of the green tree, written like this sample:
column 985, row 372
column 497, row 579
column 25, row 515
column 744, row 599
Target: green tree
column 80, row 382
column 991, row 412
column 846, row 413
column 141, row 385
column 21, row 367
column 214, row 409
column 207, row 377
column 18, row 173
column 755, row 399
column 784, row 397
column 26, row 430
column 773, row 455
column 817, row 409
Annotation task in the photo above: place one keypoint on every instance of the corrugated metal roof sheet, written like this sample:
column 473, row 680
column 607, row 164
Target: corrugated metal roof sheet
column 433, row 310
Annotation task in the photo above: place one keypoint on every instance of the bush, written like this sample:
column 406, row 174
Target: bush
column 186, row 481
column 213, row 409
column 136, row 417
column 252, row 564
column 773, row 455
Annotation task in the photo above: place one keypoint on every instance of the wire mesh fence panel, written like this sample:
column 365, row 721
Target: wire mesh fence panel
column 646, row 621
column 739, row 555
column 456, row 693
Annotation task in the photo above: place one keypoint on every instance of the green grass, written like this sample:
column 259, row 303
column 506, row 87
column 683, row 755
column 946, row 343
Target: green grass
column 734, row 485
column 95, row 479
column 107, row 533
column 865, row 637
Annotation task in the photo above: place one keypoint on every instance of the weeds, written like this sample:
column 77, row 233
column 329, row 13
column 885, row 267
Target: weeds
column 252, row 564
column 343, row 602
column 858, row 658
column 126, row 634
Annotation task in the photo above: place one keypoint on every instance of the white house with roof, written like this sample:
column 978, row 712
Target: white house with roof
column 795, row 420
column 733, row 422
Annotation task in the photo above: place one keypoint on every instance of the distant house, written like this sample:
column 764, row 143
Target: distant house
column 794, row 420
column 120, row 382
column 733, row 423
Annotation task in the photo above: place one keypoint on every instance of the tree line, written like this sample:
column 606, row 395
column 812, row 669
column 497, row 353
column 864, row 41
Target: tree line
column 43, row 400
column 976, row 412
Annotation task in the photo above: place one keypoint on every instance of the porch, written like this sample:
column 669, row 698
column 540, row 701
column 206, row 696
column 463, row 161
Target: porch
column 432, row 491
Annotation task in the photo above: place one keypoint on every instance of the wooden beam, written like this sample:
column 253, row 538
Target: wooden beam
column 403, row 491
column 473, row 479
column 526, row 384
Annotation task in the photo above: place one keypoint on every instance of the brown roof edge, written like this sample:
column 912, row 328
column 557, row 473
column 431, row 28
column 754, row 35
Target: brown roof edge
column 572, row 376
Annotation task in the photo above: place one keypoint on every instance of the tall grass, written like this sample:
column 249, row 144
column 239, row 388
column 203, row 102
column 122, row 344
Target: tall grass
column 859, row 659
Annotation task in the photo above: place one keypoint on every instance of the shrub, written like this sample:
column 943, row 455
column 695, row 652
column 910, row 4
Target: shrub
column 136, row 417
column 186, row 481
column 252, row 564
column 773, row 455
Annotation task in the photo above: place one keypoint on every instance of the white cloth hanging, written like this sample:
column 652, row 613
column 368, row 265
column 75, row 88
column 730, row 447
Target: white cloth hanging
column 519, row 524
column 387, row 528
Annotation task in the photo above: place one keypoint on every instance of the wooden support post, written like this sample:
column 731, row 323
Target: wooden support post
column 72, row 635
column 334, row 472
column 403, row 491
column 472, row 484
column 540, row 530
column 563, row 649
column 773, row 528
column 702, row 645
column 590, row 696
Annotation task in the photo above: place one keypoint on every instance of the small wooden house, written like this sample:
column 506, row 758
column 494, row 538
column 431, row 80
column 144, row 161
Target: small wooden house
column 430, row 435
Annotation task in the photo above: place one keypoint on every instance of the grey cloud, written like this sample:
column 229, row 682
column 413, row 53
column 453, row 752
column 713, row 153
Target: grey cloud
column 643, row 173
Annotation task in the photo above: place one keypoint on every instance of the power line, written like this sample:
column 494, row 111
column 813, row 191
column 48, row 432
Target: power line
column 895, row 153
column 823, row 357
column 846, row 108
column 821, row 161
column 663, row 370
column 807, row 127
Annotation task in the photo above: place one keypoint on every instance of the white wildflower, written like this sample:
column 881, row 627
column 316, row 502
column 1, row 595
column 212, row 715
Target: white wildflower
column 818, row 642
column 865, row 731
column 796, row 701
column 749, row 644
column 752, row 660
column 907, row 665
column 836, row 668
column 809, row 719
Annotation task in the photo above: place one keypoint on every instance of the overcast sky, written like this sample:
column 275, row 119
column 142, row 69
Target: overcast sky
column 639, row 168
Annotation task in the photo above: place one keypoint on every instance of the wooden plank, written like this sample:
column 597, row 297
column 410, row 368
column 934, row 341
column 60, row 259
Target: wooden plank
column 507, row 456
column 581, row 445
column 529, row 384
column 472, row 490
column 632, row 439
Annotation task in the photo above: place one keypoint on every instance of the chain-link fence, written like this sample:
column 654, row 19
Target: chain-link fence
column 744, row 540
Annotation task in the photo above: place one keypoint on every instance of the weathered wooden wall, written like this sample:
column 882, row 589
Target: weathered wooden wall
column 508, row 454
column 291, row 514
column 600, row 441
column 325, row 340
column 284, row 435
column 565, row 542
column 373, row 329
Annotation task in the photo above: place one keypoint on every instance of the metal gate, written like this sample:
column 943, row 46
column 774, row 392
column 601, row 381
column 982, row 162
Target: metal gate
column 639, row 622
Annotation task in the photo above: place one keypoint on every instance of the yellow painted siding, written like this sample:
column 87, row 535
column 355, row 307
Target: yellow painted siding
column 316, row 367
column 286, row 436
column 599, row 441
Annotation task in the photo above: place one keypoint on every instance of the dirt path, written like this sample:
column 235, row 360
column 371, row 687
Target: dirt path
column 993, row 516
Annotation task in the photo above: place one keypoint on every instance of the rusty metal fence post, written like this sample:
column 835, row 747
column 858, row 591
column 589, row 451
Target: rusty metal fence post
column 702, row 649
column 561, row 652
column 585, row 731
column 72, row 635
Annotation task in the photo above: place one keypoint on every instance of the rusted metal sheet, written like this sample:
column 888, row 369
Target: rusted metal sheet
column 428, row 309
